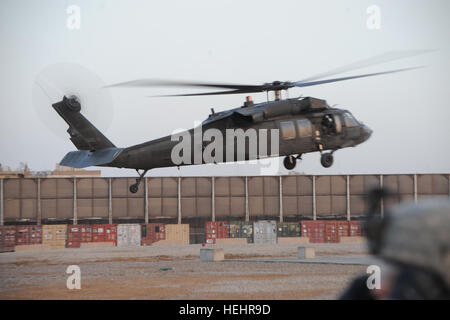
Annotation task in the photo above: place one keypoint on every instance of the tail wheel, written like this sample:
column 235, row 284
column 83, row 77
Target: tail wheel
column 326, row 159
column 289, row 162
column 134, row 188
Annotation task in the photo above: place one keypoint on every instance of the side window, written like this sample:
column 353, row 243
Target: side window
column 349, row 120
column 304, row 128
column 287, row 130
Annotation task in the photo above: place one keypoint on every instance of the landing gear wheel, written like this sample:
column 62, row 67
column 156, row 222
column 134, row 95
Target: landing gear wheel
column 134, row 188
column 289, row 162
column 326, row 159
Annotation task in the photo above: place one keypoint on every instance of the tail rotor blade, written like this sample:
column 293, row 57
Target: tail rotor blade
column 67, row 79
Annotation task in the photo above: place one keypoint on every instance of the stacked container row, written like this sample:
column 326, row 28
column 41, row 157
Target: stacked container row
column 330, row 231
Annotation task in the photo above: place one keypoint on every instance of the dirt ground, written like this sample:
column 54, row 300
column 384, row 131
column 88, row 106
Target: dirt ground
column 176, row 273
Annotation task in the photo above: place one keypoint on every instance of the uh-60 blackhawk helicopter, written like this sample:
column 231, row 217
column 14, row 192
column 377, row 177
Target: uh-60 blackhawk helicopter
column 304, row 125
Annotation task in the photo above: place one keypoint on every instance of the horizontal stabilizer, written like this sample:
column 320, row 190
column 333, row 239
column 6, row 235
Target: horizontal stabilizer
column 86, row 158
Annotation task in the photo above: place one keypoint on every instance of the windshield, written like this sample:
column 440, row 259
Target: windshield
column 349, row 120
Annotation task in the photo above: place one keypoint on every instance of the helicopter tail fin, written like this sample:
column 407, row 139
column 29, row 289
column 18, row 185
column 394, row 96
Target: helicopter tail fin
column 83, row 134
column 94, row 148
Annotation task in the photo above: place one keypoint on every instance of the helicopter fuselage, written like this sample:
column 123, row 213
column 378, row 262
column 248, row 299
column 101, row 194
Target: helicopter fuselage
column 303, row 126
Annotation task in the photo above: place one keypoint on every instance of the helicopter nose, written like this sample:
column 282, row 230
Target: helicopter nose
column 366, row 132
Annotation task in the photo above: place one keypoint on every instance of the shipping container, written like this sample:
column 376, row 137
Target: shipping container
column 240, row 229
column 110, row 233
column 78, row 234
column 54, row 235
column 235, row 229
column 98, row 232
column 23, row 235
column 7, row 238
column 177, row 233
column 314, row 230
column 104, row 233
column 247, row 231
column 355, row 228
column 210, row 232
column 128, row 235
column 27, row 234
column 331, row 232
column 223, row 230
column 152, row 232
column 343, row 229
column 36, row 234
column 216, row 230
column 265, row 232
column 197, row 231
column 288, row 229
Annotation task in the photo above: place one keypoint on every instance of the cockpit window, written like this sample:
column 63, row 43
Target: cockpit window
column 349, row 120
column 337, row 121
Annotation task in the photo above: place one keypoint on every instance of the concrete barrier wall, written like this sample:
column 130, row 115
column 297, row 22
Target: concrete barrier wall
column 209, row 198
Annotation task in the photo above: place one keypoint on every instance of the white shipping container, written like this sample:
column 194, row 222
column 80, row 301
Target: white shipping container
column 265, row 232
column 128, row 235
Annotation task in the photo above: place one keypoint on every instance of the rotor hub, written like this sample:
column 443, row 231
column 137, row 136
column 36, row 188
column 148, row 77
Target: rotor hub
column 72, row 103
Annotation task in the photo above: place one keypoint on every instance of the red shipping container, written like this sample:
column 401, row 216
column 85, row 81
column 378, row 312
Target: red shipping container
column 343, row 229
column 211, row 227
column 223, row 230
column 7, row 238
column 98, row 233
column 331, row 232
column 314, row 230
column 216, row 230
column 110, row 233
column 23, row 235
column 355, row 228
column 152, row 232
column 28, row 235
column 77, row 234
column 36, row 234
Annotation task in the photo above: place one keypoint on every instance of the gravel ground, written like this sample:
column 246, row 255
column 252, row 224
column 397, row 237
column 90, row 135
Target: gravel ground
column 138, row 273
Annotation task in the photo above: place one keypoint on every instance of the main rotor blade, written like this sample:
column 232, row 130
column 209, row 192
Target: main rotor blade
column 177, row 83
column 206, row 93
column 314, row 83
column 383, row 58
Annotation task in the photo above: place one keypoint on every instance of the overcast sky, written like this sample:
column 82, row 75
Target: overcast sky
column 231, row 41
